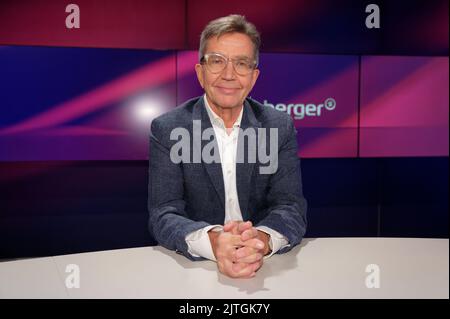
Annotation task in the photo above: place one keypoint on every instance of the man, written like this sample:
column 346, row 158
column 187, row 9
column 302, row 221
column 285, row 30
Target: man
column 198, row 207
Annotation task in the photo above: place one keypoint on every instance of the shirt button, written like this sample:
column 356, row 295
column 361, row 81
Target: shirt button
column 229, row 172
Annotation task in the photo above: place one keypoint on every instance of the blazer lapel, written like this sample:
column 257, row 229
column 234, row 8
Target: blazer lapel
column 214, row 170
column 244, row 170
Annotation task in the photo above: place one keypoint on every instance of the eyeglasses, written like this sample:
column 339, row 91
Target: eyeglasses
column 216, row 63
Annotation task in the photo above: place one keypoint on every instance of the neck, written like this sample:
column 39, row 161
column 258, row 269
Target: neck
column 228, row 115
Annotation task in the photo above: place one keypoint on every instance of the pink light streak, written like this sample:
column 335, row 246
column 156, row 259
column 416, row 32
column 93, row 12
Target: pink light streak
column 151, row 75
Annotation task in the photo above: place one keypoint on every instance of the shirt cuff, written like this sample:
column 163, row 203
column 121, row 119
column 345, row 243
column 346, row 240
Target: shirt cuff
column 199, row 244
column 276, row 242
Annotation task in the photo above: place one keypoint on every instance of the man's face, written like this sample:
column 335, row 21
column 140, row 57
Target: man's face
column 228, row 89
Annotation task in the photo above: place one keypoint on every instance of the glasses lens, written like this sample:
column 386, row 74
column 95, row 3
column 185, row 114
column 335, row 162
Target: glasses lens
column 243, row 67
column 216, row 63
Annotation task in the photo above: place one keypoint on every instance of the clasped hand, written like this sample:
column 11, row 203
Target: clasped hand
column 239, row 249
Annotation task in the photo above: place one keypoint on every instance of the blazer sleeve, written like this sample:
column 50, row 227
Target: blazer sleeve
column 168, row 222
column 287, row 206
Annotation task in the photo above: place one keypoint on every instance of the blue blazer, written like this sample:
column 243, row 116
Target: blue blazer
column 185, row 197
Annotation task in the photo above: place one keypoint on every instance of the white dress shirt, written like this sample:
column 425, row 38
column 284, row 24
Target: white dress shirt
column 198, row 241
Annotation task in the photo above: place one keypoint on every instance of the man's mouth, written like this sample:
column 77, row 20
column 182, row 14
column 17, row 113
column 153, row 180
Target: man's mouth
column 225, row 90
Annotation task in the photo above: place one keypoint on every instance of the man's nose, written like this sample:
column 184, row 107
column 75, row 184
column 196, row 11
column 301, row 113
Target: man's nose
column 228, row 73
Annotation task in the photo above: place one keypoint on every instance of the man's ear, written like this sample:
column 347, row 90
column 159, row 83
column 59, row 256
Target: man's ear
column 199, row 72
column 255, row 75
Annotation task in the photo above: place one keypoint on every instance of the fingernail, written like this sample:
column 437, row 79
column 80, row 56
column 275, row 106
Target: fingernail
column 260, row 245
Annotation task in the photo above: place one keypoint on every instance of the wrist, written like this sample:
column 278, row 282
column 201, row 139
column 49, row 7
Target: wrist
column 213, row 239
column 265, row 238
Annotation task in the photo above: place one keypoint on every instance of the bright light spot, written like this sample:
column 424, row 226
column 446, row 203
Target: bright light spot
column 145, row 109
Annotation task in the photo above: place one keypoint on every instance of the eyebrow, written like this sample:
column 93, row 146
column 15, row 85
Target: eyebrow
column 242, row 57
column 247, row 60
column 236, row 57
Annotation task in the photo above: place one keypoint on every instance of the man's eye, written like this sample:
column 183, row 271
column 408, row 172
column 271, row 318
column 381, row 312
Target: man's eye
column 243, row 64
column 216, row 61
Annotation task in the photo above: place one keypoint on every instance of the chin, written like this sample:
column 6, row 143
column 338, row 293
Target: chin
column 229, row 102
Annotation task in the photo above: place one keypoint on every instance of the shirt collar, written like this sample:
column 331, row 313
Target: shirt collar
column 216, row 119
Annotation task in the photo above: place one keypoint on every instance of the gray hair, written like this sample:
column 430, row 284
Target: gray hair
column 229, row 24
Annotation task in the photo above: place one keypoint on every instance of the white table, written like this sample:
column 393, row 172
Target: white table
column 318, row 268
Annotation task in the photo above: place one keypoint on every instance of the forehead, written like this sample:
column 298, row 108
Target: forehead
column 231, row 45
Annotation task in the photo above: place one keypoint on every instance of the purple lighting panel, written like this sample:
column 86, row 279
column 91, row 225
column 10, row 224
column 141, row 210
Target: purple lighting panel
column 81, row 104
column 404, row 106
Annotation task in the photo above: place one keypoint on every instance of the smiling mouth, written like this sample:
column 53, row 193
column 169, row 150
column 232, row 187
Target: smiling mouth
column 227, row 90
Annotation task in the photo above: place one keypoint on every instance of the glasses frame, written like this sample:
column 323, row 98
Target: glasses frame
column 204, row 61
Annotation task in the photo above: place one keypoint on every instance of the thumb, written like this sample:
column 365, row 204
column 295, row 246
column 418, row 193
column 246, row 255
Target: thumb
column 229, row 226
